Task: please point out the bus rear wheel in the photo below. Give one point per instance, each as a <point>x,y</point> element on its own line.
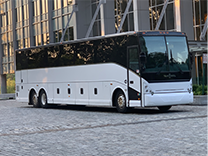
<point>43,99</point>
<point>164,108</point>
<point>120,102</point>
<point>34,100</point>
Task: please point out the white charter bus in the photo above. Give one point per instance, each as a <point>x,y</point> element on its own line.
<point>134,69</point>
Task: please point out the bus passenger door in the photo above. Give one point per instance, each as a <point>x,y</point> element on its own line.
<point>133,78</point>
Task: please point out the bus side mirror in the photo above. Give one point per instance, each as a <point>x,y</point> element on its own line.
<point>191,57</point>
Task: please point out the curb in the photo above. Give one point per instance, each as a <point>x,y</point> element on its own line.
<point>200,100</point>
<point>7,96</point>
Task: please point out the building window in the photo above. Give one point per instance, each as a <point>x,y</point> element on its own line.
<point>44,4</point>
<point>45,38</point>
<point>36,7</point>
<point>5,52</point>
<point>11,67</point>
<point>96,27</point>
<point>4,38</point>
<point>155,9</point>
<point>37,40</point>
<point>11,49</point>
<point>56,4</point>
<point>199,17</point>
<point>69,35</point>
<point>10,36</point>
<point>20,43</point>
<point>120,7</point>
<point>5,68</point>
<point>67,3</point>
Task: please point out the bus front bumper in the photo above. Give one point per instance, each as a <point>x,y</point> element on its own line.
<point>167,99</point>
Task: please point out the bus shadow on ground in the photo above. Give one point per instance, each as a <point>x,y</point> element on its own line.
<point>139,110</point>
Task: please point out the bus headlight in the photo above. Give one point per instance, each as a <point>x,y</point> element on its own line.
<point>147,89</point>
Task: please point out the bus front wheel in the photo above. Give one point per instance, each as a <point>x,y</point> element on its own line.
<point>43,99</point>
<point>120,102</point>
<point>164,108</point>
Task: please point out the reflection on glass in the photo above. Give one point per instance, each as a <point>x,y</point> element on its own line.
<point>9,18</point>
<point>203,11</point>
<point>4,38</point>
<point>97,51</point>
<point>159,58</point>
<point>154,49</point>
<point>155,9</point>
<point>133,59</point>
<point>119,8</point>
<point>178,53</point>
<point>5,52</point>
<point>43,7</point>
<point>160,2</point>
<point>96,28</point>
<point>65,3</point>
<point>197,15</point>
<point>26,13</point>
<point>57,4</point>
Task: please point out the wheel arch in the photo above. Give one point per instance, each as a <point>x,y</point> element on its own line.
<point>30,95</point>
<point>42,89</point>
<point>37,92</point>
<point>114,94</point>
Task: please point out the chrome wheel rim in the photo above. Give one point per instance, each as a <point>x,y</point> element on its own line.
<point>121,101</point>
<point>35,99</point>
<point>43,99</point>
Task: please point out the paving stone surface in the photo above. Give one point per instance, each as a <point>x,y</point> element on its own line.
<point>91,131</point>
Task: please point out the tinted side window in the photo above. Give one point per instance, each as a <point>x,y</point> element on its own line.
<point>88,52</point>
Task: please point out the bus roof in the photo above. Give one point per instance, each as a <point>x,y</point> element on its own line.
<point>140,33</point>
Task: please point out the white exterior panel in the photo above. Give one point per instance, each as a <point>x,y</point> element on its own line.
<point>104,77</point>
<point>164,94</point>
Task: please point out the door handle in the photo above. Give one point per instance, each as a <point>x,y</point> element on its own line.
<point>125,81</point>
<point>131,82</point>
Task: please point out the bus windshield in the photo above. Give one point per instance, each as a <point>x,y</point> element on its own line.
<point>164,54</point>
<point>164,58</point>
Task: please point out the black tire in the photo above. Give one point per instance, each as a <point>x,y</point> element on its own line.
<point>34,99</point>
<point>164,108</point>
<point>120,102</point>
<point>43,99</point>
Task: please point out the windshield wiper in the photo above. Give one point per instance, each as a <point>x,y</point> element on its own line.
<point>173,61</point>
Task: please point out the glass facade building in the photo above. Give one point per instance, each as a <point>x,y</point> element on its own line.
<point>199,17</point>
<point>26,23</point>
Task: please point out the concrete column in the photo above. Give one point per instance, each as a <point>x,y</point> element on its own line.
<point>2,76</point>
<point>83,19</point>
<point>74,20</point>
<point>102,21</point>
<point>143,15</point>
<point>1,51</point>
<point>177,15</point>
<point>186,14</point>
<point>3,83</point>
<point>109,17</point>
<point>31,35</point>
<point>50,22</point>
<point>14,25</point>
<point>136,18</point>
